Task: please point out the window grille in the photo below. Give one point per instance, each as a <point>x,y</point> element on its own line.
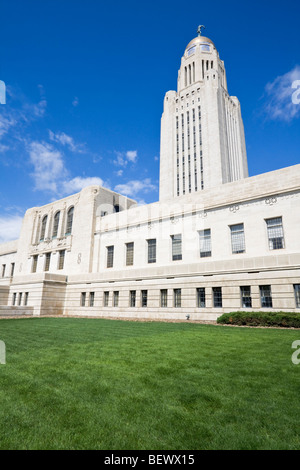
<point>237,238</point>
<point>275,233</point>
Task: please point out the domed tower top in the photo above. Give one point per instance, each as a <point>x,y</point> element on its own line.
<point>202,40</point>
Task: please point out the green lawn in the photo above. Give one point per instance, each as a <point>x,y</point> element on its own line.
<point>105,384</point>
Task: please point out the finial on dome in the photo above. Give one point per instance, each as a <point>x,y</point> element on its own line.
<point>199,29</point>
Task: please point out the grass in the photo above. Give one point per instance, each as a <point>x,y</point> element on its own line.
<point>109,384</point>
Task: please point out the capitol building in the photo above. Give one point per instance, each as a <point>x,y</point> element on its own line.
<point>216,241</point>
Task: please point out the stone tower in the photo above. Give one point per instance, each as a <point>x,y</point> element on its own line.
<point>202,132</point>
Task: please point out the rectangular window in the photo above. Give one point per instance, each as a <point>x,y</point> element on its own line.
<point>177,298</point>
<point>3,269</point>
<point>297,294</point>
<point>144,298</point>
<point>246,299</point>
<point>205,243</point>
<point>110,256</point>
<point>152,250</point>
<point>82,299</point>
<point>129,254</point>
<point>92,299</point>
<point>61,259</point>
<point>12,269</point>
<point>26,298</point>
<point>116,298</point>
<point>34,263</point>
<point>266,296</point>
<point>201,297</point>
<point>20,298</point>
<point>237,238</point>
<point>47,261</point>
<point>164,298</point>
<point>176,247</point>
<point>132,297</point>
<point>275,233</point>
<point>106,299</point>
<point>217,296</point>
<point>14,299</point>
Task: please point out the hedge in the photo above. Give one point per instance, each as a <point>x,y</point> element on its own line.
<point>279,319</point>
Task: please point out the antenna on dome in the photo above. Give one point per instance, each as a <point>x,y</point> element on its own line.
<point>199,29</point>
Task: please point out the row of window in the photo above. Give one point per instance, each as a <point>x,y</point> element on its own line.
<point>201,294</point>
<point>12,269</point>
<point>47,260</point>
<point>56,219</point>
<point>275,240</point>
<point>20,298</point>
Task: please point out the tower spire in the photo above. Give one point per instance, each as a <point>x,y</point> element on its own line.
<point>199,29</point>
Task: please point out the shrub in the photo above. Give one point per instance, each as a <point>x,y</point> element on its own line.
<point>279,319</point>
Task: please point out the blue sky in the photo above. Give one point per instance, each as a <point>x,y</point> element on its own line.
<point>86,81</point>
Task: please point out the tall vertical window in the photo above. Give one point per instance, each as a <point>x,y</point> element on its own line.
<point>14,298</point>
<point>26,299</point>
<point>47,261</point>
<point>61,259</point>
<point>275,233</point>
<point>34,263</point>
<point>3,270</point>
<point>12,269</point>
<point>205,243</point>
<point>43,229</point>
<point>110,256</point>
<point>92,299</point>
<point>82,299</point>
<point>246,299</point>
<point>152,250</point>
<point>176,247</point>
<point>116,298</point>
<point>237,238</point>
<point>266,296</point>
<point>177,298</point>
<point>129,253</point>
<point>164,298</point>
<point>20,298</point>
<point>55,225</point>
<point>69,225</point>
<point>144,298</point>
<point>297,294</point>
<point>201,301</point>
<point>105,299</point>
<point>132,298</point>
<point>217,297</point>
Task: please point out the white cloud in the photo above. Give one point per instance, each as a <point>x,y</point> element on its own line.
<point>124,157</point>
<point>131,155</point>
<point>10,228</point>
<point>48,165</point>
<point>66,140</point>
<point>134,187</point>
<point>75,102</point>
<point>280,104</point>
<point>78,183</point>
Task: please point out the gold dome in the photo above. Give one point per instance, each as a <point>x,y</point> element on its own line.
<point>199,40</point>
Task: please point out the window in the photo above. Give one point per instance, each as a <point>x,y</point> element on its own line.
<point>205,243</point>
<point>34,263</point>
<point>69,221</point>
<point>116,298</point>
<point>132,298</point>
<point>106,299</point>
<point>275,233</point>
<point>12,269</point>
<point>237,238</point>
<point>20,298</point>
<point>129,253</point>
<point>266,296</point>
<point>164,298</point>
<point>92,299</point>
<point>14,299</point>
<point>201,297</point>
<point>26,298</point>
<point>3,269</point>
<point>217,296</point>
<point>43,229</point>
<point>55,225</point>
<point>61,259</point>
<point>177,298</point>
<point>82,300</point>
<point>47,261</point>
<point>152,250</point>
<point>176,247</point>
<point>246,297</point>
<point>297,294</point>
<point>110,256</point>
<point>144,298</point>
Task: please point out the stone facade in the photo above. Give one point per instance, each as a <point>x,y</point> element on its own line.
<point>217,241</point>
